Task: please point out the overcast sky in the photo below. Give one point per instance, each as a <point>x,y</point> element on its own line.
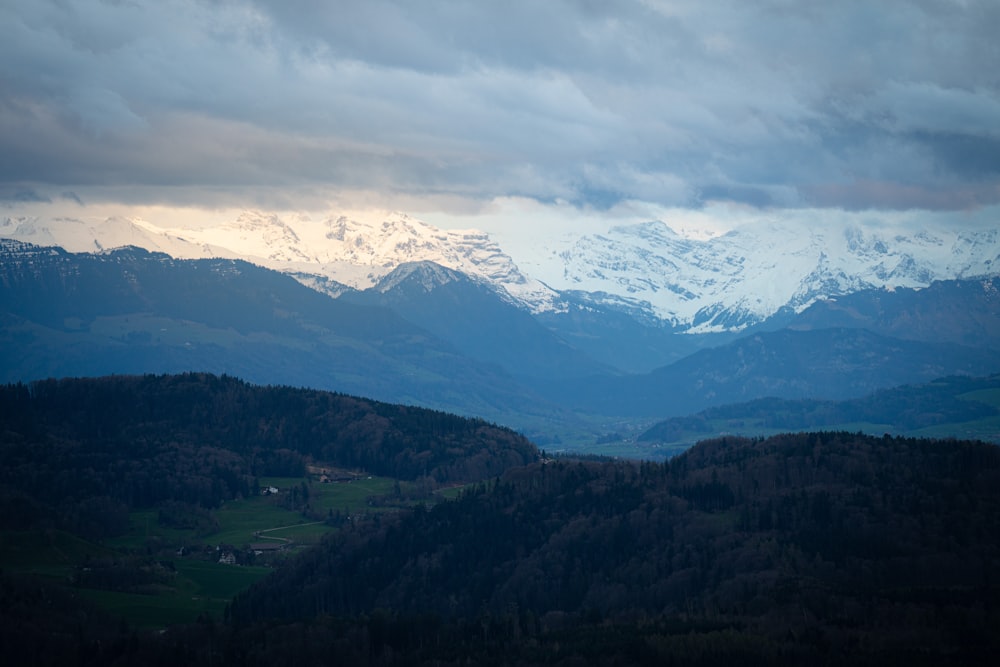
<point>445,108</point>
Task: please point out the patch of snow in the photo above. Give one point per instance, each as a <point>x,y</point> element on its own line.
<point>702,279</point>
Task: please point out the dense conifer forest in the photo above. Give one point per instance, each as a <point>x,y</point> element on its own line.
<point>823,548</point>
<point>82,452</point>
<point>827,547</point>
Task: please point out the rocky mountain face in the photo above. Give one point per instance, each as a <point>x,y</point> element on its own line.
<point>741,278</point>
<point>432,336</point>
<point>966,312</point>
<point>470,314</point>
<point>335,252</point>
<point>648,272</point>
<point>129,311</point>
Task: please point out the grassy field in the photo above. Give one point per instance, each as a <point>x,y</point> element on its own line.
<point>240,519</point>
<point>987,396</point>
<point>451,492</point>
<point>198,584</point>
<point>196,587</point>
<point>987,429</point>
<point>200,587</point>
<point>48,553</point>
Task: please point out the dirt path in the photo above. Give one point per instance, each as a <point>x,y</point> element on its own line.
<point>260,533</point>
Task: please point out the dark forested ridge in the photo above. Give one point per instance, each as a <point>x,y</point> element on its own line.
<point>129,311</point>
<point>811,548</point>
<point>430,337</point>
<point>827,548</point>
<point>93,448</point>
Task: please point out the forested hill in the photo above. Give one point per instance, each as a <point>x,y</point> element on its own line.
<point>135,441</point>
<point>951,400</point>
<point>827,548</point>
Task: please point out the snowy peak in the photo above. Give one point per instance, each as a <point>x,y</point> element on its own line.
<point>329,255</point>
<point>733,280</point>
<point>649,271</point>
<point>278,242</point>
<point>77,235</point>
<point>395,240</point>
<point>427,276</point>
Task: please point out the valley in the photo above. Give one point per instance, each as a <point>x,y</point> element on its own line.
<point>823,547</point>
<point>431,336</point>
<point>650,333</point>
<point>192,561</point>
<point>247,464</point>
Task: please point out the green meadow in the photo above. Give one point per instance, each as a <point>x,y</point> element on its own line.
<point>199,588</point>
<point>196,582</point>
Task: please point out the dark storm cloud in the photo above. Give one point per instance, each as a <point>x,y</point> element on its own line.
<point>770,103</point>
<point>21,195</point>
<point>970,155</point>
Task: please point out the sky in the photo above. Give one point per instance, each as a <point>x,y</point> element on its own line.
<point>474,114</point>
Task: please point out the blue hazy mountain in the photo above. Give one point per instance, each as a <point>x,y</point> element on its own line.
<point>132,311</point>
<point>955,311</point>
<point>434,337</point>
<point>823,363</point>
<point>474,317</point>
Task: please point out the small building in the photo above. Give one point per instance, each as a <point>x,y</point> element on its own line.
<point>267,547</point>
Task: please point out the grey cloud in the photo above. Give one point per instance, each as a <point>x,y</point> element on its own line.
<point>15,194</point>
<point>771,103</point>
<point>864,194</point>
<point>967,156</point>
<point>742,194</point>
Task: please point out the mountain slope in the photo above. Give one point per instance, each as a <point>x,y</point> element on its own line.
<point>818,549</point>
<point>739,278</point>
<point>648,271</point>
<point>235,431</point>
<point>966,312</point>
<point>478,321</point>
<point>349,251</point>
<point>967,406</point>
<point>618,334</point>
<point>130,311</point>
<point>825,363</point>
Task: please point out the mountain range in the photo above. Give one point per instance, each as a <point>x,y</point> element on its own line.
<point>132,311</point>
<point>659,277</point>
<point>958,406</point>
<point>734,280</point>
<point>433,336</point>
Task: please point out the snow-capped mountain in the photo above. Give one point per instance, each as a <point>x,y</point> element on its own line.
<point>744,276</point>
<point>649,271</point>
<point>326,255</point>
<point>76,235</point>
<point>360,253</point>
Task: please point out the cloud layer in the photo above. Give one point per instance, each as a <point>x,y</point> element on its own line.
<point>771,103</point>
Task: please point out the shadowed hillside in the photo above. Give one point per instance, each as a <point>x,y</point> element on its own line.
<point>823,548</point>
<point>83,452</point>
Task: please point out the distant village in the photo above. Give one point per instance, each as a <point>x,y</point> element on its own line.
<point>230,555</point>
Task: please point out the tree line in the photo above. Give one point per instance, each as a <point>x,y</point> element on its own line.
<point>85,451</point>
<point>831,548</point>
<point>809,548</point>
